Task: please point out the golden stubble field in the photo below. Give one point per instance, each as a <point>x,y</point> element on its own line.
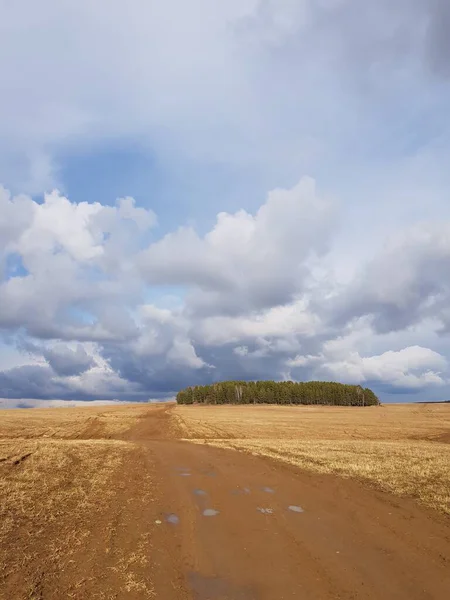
<point>81,422</point>
<point>402,449</point>
<point>61,472</point>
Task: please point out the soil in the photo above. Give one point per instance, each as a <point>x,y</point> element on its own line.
<point>339,539</point>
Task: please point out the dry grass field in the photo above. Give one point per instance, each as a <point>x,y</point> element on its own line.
<point>402,449</point>
<point>90,422</point>
<point>55,489</point>
<point>50,486</point>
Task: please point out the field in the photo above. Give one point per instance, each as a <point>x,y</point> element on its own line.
<point>90,422</point>
<point>85,493</point>
<point>59,472</point>
<point>403,449</point>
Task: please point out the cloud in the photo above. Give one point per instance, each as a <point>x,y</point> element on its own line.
<point>438,42</point>
<point>213,104</point>
<point>246,262</point>
<point>100,96</point>
<point>261,83</point>
<point>260,300</point>
<point>410,368</point>
<point>16,214</point>
<point>77,304</point>
<point>6,403</point>
<point>30,381</point>
<point>77,267</point>
<point>66,361</point>
<point>406,283</point>
<point>295,318</point>
<point>42,382</point>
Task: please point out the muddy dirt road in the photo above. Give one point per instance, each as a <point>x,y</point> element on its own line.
<point>274,533</point>
<point>221,525</point>
<point>238,527</point>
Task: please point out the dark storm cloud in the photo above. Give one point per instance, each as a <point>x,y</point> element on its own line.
<point>155,374</point>
<point>39,382</point>
<point>408,282</point>
<point>438,37</point>
<point>30,382</point>
<point>65,361</point>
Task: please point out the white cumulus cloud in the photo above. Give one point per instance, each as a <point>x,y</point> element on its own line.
<point>246,261</point>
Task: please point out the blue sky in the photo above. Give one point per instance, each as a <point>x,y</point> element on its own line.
<point>208,190</point>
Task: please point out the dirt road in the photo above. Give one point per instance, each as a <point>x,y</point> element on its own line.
<point>222,525</point>
<point>347,542</point>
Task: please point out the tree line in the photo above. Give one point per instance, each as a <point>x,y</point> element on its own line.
<point>328,393</point>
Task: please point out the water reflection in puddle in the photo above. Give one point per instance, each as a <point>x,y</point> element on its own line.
<point>200,492</point>
<point>269,490</point>
<point>183,471</point>
<point>240,491</point>
<point>265,511</point>
<point>297,509</point>
<point>172,518</point>
<point>210,512</point>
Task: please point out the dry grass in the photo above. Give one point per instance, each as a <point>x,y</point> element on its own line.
<point>70,423</point>
<point>39,480</point>
<point>397,448</point>
<point>57,488</point>
<point>390,422</point>
<point>51,490</point>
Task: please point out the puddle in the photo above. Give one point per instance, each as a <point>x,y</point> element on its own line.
<point>269,490</point>
<point>200,492</point>
<point>183,471</point>
<point>208,472</point>
<point>215,588</point>
<point>172,518</point>
<point>240,491</point>
<point>265,511</point>
<point>297,509</point>
<point>210,512</point>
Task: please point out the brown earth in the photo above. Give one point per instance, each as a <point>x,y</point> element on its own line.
<point>399,449</point>
<point>350,542</point>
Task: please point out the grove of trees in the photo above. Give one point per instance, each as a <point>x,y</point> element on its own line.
<point>283,392</point>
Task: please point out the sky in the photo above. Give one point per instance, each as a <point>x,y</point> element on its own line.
<point>223,189</point>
